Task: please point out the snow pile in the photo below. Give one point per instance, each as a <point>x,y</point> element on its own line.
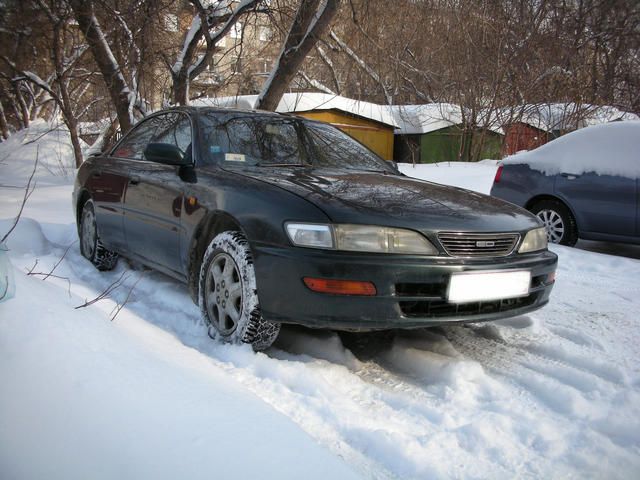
<point>477,176</point>
<point>52,144</point>
<point>555,394</point>
<point>610,149</point>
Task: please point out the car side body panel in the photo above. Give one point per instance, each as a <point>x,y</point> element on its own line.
<point>106,180</point>
<point>602,204</point>
<point>605,207</point>
<point>152,209</point>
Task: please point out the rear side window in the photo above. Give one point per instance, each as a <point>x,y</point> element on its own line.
<point>174,128</point>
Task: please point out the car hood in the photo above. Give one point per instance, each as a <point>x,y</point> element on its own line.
<point>396,200</point>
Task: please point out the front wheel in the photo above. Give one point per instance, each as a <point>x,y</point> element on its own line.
<point>90,245</point>
<point>228,296</point>
<point>558,222</point>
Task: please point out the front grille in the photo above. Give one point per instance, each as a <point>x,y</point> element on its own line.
<point>458,244</point>
<point>428,300</point>
<point>443,309</point>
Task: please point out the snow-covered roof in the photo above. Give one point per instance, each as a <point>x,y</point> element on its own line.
<point>607,149</point>
<point>418,119</point>
<point>308,101</point>
<point>565,116</point>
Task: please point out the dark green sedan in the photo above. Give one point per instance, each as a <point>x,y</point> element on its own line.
<point>274,219</point>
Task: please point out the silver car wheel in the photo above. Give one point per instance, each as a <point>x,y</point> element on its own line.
<point>553,224</point>
<point>224,293</point>
<point>88,233</point>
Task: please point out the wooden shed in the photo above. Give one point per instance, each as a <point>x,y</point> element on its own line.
<point>375,135</point>
<point>435,133</point>
<point>522,136</point>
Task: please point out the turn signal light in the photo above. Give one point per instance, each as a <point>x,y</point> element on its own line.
<point>340,287</point>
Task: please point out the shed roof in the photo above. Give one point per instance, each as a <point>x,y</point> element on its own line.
<point>308,101</point>
<point>419,119</point>
<point>565,116</point>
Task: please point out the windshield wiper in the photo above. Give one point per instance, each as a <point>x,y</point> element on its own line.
<point>369,170</point>
<point>267,164</point>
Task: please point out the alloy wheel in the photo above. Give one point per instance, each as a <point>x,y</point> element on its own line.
<point>224,293</point>
<point>553,224</point>
<point>88,232</point>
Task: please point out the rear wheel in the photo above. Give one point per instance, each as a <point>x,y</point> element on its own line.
<point>228,296</point>
<point>558,222</point>
<point>90,245</point>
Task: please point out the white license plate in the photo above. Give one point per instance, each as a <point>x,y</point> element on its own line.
<point>487,286</point>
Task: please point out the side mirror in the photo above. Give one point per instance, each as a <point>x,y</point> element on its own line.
<point>393,164</point>
<point>166,153</point>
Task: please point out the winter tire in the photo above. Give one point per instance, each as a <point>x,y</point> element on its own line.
<point>558,222</point>
<point>228,295</point>
<point>90,245</point>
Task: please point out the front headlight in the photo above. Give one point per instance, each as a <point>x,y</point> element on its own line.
<point>534,240</point>
<point>360,238</point>
<point>369,238</point>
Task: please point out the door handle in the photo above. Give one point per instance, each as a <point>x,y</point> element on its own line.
<point>97,174</point>
<point>134,180</point>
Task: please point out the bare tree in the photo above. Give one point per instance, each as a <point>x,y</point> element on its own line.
<point>119,91</point>
<point>312,19</point>
<point>211,24</point>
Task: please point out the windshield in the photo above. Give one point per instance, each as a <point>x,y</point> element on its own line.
<point>266,140</point>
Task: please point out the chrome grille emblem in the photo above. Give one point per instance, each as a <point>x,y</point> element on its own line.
<point>483,243</point>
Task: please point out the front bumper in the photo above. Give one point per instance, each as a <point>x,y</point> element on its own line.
<point>411,290</point>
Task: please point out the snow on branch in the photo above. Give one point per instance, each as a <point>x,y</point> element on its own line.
<point>194,30</point>
<point>216,36</point>
<point>316,84</point>
<point>32,77</point>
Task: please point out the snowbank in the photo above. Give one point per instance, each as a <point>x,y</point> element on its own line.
<point>610,149</point>
<point>49,141</point>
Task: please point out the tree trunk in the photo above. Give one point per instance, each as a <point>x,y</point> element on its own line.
<point>65,102</point>
<point>186,69</point>
<point>109,68</point>
<point>307,27</point>
<point>4,127</point>
<point>181,88</point>
<point>24,111</point>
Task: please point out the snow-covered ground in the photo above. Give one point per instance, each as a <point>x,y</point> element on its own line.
<point>554,394</point>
